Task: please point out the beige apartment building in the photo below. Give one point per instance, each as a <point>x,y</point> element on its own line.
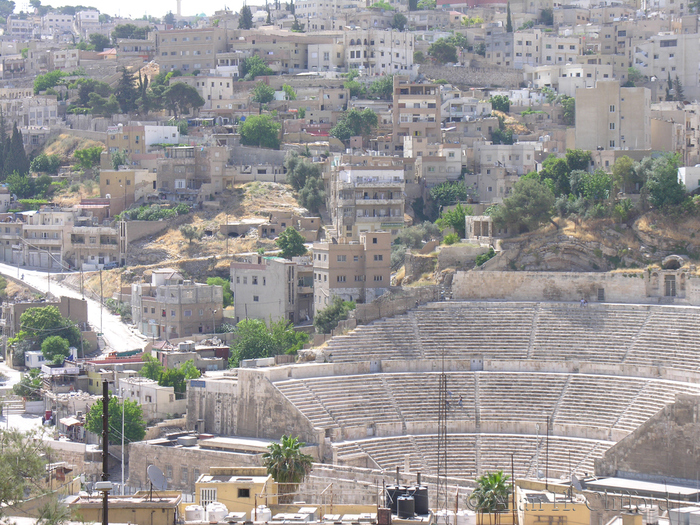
<point>172,307</point>
<point>612,117</point>
<point>416,111</point>
<point>366,198</point>
<point>188,50</point>
<point>272,288</point>
<point>355,271</point>
<point>125,187</point>
<point>379,51</point>
<point>135,140</point>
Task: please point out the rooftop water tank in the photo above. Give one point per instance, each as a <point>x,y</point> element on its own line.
<point>264,514</point>
<point>194,513</point>
<point>216,512</point>
<point>406,507</point>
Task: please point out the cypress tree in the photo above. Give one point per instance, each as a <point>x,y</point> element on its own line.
<point>15,157</point>
<point>3,144</point>
<point>509,21</point>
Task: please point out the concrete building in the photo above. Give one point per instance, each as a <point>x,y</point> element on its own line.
<point>416,111</point>
<point>87,22</point>
<point>210,354</point>
<point>366,198</point>
<point>157,402</point>
<point>188,50</point>
<point>272,288</point>
<point>612,117</point>
<point>355,271</point>
<point>379,51</point>
<point>124,187</point>
<point>171,307</point>
<point>236,487</point>
<point>191,173</point>
<point>136,139</point>
<point>136,508</point>
<point>674,55</point>
<point>690,177</point>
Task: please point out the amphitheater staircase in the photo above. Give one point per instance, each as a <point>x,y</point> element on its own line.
<point>369,455</point>
<point>560,400</point>
<point>392,399</point>
<point>416,333</point>
<point>477,454</point>
<point>585,459</point>
<point>629,406</point>
<point>308,403</point>
<point>477,404</point>
<point>419,453</point>
<point>642,330</point>
<point>533,330</point>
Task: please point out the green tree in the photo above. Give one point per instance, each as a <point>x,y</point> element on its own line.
<point>134,423</point>
<point>22,464</point>
<point>30,385</point>
<point>262,93</point>
<point>180,98</point>
<point>384,87</point>
<point>578,159</point>
<point>289,92</point>
<point>299,170</point>
<point>297,27</point>
<point>491,493</point>
<point>327,319</point>
<point>99,41</point>
<point>38,323</point>
<point>596,186</point>
<point>663,185</point>
<point>547,16</point>
<point>253,339</point>
<point>286,463</point>
<point>178,376</point>
<point>443,52</point>
<point>119,158</point>
<point>679,95</point>
<point>509,20</point>
<point>448,193</point>
<point>253,67</point>
<point>426,5</point>
<point>129,31</point>
<point>55,349</point>
<point>48,80</point>
<point>413,5</point>
<point>15,157</point>
<point>624,176</point>
<point>125,92</point>
<point>557,171</point>
<point>291,243</point>
<point>354,123</point>
<point>190,233</point>
<point>634,76</point>
<point>419,57</point>
<point>355,88</point>
<point>225,285</point>
<point>88,158</point>
<point>312,195</point>
<point>152,368</point>
<point>455,219</point>
<point>45,163</point>
<point>103,106</point>
<point>399,21</point>
<point>261,131</point>
<point>500,103</point>
<point>7,7</point>
<point>569,104</point>
<point>169,19</point>
<point>245,20</point>
<point>529,205</point>
<point>21,185</point>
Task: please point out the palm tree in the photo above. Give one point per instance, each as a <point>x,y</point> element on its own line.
<point>491,494</point>
<point>286,463</point>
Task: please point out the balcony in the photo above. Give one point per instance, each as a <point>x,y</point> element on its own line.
<point>382,219</point>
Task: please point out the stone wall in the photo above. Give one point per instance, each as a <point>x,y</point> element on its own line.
<point>136,230</point>
<point>474,76</point>
<point>619,287</point>
<point>665,446</point>
<point>396,302</point>
<point>462,256</point>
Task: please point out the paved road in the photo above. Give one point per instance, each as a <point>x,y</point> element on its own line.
<point>117,335</point>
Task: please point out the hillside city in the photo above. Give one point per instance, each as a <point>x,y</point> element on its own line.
<point>415,261</point>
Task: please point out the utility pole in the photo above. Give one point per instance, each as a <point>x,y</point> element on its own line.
<point>105,448</point>
<point>123,485</point>
<point>101,301</point>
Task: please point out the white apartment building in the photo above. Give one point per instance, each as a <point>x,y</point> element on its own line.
<point>566,79</point>
<point>379,52</point>
<point>56,23</point>
<point>671,54</point>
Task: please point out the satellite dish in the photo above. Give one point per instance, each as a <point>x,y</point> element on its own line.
<point>156,477</point>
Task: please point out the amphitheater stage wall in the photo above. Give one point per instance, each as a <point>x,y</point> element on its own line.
<point>618,287</point>
<point>665,446</point>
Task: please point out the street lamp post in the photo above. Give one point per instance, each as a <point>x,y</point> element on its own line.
<point>213,319</point>
<point>123,407</point>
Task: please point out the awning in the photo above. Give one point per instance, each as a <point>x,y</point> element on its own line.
<point>70,421</point>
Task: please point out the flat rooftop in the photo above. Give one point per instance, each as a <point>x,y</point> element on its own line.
<point>642,488</point>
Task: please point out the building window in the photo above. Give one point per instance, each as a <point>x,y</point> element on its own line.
<point>612,143</point>
<point>256,298</point>
<point>612,109</point>
<point>169,472</point>
<point>243,493</point>
<point>207,496</point>
<point>341,278</point>
<point>342,258</point>
<point>378,277</point>
<point>612,125</point>
<point>188,313</point>
<point>378,257</point>
<point>355,258</point>
<point>255,279</point>
<point>374,240</point>
<point>172,313</point>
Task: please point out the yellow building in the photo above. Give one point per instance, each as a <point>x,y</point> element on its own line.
<point>540,507</point>
<point>239,488</point>
<point>161,509</point>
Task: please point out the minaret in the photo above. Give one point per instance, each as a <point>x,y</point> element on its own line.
<point>179,5</point>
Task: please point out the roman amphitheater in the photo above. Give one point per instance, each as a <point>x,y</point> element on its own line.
<point>554,384</point>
